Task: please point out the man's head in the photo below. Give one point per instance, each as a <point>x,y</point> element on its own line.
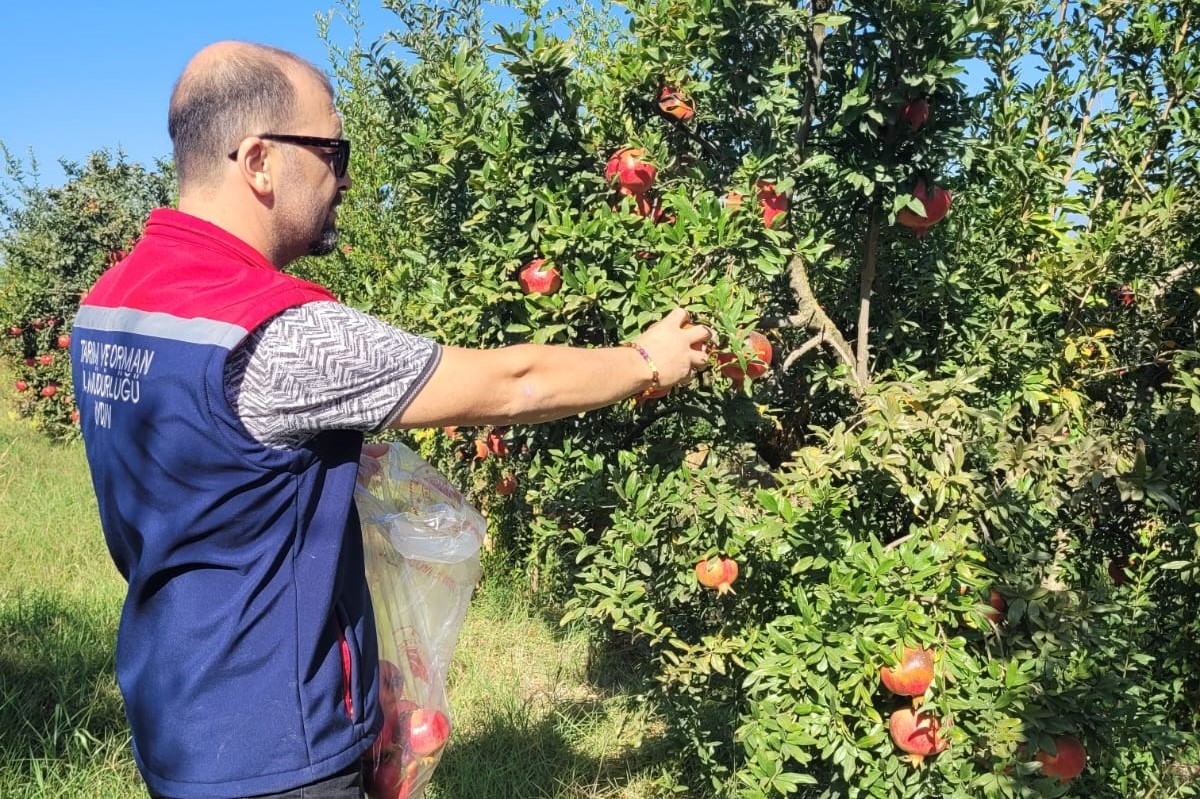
<point>243,119</point>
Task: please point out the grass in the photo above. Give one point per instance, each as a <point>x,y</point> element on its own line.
<point>528,721</point>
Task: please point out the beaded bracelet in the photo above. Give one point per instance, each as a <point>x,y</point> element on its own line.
<point>649,362</point>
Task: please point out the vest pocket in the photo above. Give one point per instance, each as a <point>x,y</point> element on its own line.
<point>347,653</point>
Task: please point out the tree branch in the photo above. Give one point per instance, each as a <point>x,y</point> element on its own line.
<point>811,316</point>
<point>866,283</point>
<point>814,47</point>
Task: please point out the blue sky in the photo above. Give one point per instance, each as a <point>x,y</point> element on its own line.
<point>81,76</point>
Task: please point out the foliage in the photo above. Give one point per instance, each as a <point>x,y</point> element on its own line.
<point>54,243</point>
<point>1005,401</point>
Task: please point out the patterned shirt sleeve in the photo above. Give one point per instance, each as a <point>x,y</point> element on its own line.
<point>324,366</point>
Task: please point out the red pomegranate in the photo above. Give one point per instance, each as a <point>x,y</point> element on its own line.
<point>629,170</point>
<point>917,734</point>
<point>998,605</point>
<point>758,353</point>
<point>915,113</point>
<point>506,485</point>
<point>936,204</point>
<point>1067,762</point>
<point>674,103</point>
<point>912,676</point>
<point>772,203</point>
<point>537,278</point>
<point>718,573</point>
<point>496,444</point>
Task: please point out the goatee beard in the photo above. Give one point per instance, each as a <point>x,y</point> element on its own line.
<point>326,242</point>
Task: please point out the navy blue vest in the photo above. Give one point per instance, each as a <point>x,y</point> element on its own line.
<point>247,652</point>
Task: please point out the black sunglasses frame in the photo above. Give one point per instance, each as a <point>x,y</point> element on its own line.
<point>340,148</point>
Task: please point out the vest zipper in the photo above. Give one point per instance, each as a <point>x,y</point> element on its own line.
<point>347,695</point>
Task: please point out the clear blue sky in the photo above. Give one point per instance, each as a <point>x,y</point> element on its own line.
<point>80,76</point>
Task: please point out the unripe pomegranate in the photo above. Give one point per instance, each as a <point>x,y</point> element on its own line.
<point>757,359</point>
<point>912,676</point>
<point>1067,762</point>
<point>772,203</point>
<point>916,732</point>
<point>630,172</point>
<point>718,573</point>
<point>915,113</point>
<point>935,203</point>
<point>537,278</point>
<point>675,103</point>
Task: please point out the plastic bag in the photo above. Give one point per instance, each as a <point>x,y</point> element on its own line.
<point>421,541</point>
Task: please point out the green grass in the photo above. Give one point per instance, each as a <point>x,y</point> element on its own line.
<point>528,721</point>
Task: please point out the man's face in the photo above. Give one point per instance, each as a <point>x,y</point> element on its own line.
<point>307,206</point>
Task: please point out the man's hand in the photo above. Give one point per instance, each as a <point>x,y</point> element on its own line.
<point>678,348</point>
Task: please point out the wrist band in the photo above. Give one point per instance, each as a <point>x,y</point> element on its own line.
<point>649,362</point>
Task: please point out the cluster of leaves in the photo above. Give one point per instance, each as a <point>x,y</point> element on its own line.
<point>54,243</point>
<point>1007,403</point>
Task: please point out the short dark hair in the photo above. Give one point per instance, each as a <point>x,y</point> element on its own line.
<point>214,105</point>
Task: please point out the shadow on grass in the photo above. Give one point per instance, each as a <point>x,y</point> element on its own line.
<point>57,686</point>
<point>511,757</point>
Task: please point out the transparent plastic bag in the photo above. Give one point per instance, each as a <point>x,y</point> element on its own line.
<point>421,540</point>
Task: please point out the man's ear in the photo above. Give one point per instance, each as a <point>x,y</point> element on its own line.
<point>254,163</point>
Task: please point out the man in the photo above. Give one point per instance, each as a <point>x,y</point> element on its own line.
<point>224,404</point>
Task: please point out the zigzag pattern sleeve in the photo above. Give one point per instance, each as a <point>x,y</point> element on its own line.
<point>324,366</point>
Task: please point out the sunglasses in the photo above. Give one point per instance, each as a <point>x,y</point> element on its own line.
<point>340,148</point>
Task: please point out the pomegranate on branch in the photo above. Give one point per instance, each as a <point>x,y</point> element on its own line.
<point>630,172</point>
<point>912,677</point>
<point>936,204</point>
